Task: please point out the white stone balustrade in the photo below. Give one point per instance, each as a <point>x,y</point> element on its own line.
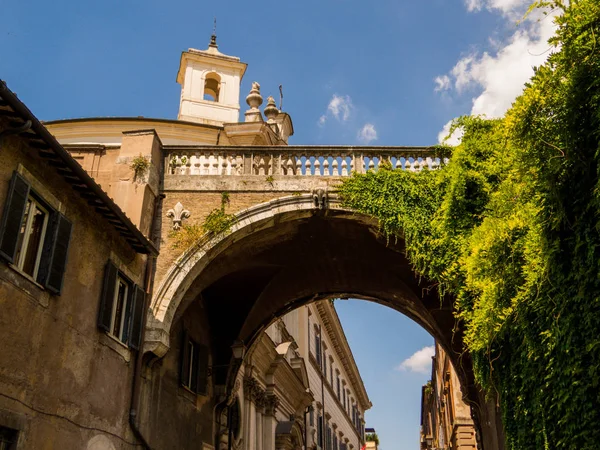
<point>295,160</point>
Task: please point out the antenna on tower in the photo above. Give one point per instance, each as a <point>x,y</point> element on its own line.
<point>213,38</point>
<point>280,97</point>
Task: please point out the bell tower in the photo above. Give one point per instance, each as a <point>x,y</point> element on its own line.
<point>210,85</point>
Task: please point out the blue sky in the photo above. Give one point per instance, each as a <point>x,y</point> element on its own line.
<point>393,354</point>
<point>384,72</point>
<point>379,59</point>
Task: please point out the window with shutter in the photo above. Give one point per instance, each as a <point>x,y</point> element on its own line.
<point>194,365</point>
<point>33,236</point>
<point>121,312</point>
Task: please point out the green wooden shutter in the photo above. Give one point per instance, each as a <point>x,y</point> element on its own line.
<point>202,377</point>
<point>14,209</point>
<point>194,375</point>
<point>138,320</point>
<point>108,296</point>
<point>126,333</point>
<point>184,367</point>
<point>58,258</point>
<point>48,247</point>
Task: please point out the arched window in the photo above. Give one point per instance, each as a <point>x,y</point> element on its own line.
<point>212,87</point>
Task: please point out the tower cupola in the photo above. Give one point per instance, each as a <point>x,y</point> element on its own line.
<point>210,85</point>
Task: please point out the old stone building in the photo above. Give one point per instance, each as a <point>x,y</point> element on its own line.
<point>73,284</point>
<point>225,228</point>
<point>445,418</point>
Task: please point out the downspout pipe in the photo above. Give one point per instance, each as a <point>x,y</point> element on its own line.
<point>137,372</point>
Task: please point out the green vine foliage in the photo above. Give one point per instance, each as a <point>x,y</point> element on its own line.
<point>511,227</point>
<point>216,222</point>
<point>140,166</point>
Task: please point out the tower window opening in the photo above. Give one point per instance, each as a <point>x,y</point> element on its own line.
<point>212,87</point>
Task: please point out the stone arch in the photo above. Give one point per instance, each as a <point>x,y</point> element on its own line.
<point>290,251</point>
<point>178,279</point>
<point>176,290</point>
<point>212,87</point>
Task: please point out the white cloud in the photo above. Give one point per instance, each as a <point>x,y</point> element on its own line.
<point>367,133</point>
<point>340,107</point>
<point>442,83</point>
<point>454,139</point>
<point>500,77</point>
<point>322,120</point>
<point>419,362</point>
<point>504,6</point>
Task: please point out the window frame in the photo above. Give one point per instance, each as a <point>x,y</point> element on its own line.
<point>194,365</point>
<point>126,316</point>
<point>8,438</point>
<point>133,309</point>
<point>22,247</point>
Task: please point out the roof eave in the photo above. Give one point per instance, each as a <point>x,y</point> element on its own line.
<point>112,213</point>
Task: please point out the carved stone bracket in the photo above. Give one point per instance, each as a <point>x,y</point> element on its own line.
<point>178,214</point>
<point>320,198</point>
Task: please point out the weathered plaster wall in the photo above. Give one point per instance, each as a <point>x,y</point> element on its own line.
<point>171,415</point>
<point>65,381</point>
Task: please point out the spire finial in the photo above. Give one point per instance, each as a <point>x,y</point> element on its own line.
<point>213,38</point>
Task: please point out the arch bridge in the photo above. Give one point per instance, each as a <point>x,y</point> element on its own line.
<point>291,243</point>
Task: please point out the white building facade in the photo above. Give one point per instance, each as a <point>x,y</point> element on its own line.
<point>301,386</point>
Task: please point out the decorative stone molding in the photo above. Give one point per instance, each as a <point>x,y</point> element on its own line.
<point>254,100</point>
<point>271,403</point>
<point>271,110</point>
<point>178,214</point>
<point>255,393</point>
<point>320,198</point>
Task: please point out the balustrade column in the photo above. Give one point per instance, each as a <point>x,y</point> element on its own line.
<point>357,160</point>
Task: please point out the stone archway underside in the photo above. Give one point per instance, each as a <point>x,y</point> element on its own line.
<point>273,264</point>
<point>286,253</point>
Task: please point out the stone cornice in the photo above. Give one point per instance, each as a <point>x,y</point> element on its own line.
<point>336,333</point>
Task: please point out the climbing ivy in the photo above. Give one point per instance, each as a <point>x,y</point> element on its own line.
<point>511,227</point>
<point>216,222</point>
